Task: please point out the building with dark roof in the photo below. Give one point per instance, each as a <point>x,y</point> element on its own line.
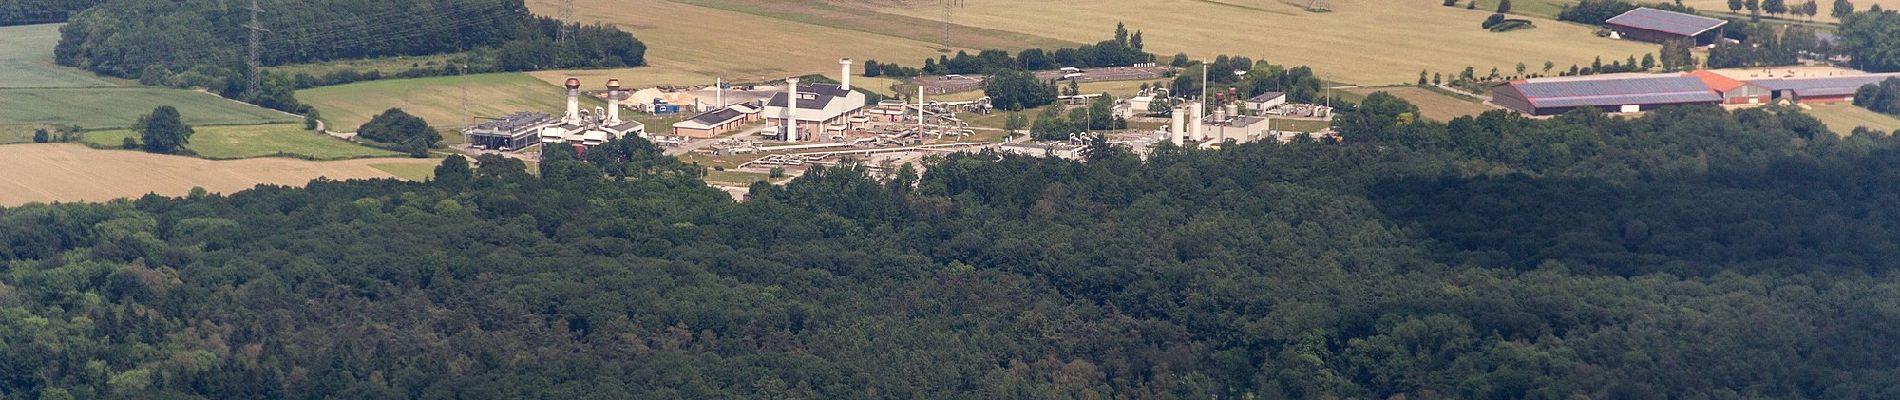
<point>716,122</point>
<point>1831,89</point>
<point>511,132</point>
<point>1623,93</point>
<point>1653,25</point>
<point>820,109</point>
<point>1266,101</point>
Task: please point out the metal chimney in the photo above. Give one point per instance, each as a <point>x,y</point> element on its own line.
<point>791,110</point>
<point>613,102</point>
<point>844,73</point>
<point>573,101</point>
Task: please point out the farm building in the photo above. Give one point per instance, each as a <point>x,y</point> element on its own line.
<point>1623,93</point>
<point>1266,101</point>
<point>819,110</point>
<point>1832,89</point>
<point>713,123</point>
<point>1733,92</point>
<point>1653,25</point>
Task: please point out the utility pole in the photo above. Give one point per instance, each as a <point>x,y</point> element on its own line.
<point>567,16</point>
<point>255,61</point>
<point>948,5</point>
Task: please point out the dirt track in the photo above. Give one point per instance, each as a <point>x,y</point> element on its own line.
<point>70,172</point>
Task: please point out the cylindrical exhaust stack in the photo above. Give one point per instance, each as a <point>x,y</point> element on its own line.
<point>613,102</point>
<point>1179,126</point>
<point>719,87</point>
<point>573,101</point>
<point>844,73</point>
<point>1197,121</point>
<point>1233,109</point>
<point>791,110</point>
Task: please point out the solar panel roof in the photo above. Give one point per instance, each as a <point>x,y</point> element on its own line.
<point>1666,21</point>
<point>1614,92</point>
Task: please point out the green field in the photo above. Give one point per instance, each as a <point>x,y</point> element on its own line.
<point>1843,118</point>
<point>105,108</point>
<point>252,141</point>
<point>26,60</point>
<point>437,100</point>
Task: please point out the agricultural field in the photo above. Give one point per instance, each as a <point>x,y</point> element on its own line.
<point>107,108</point>
<point>36,93</point>
<point>1434,105</point>
<point>691,44</point>
<point>409,171</point>
<point>26,60</point>
<point>252,141</point>
<point>437,100</point>
<point>1368,42</point>
<point>50,172</point>
<point>1843,118</point>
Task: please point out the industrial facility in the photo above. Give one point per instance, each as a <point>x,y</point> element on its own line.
<point>717,122</point>
<point>817,111</point>
<point>576,127</point>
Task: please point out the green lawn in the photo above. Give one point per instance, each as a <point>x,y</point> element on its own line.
<point>251,141</point>
<point>1843,118</point>
<point>736,177</point>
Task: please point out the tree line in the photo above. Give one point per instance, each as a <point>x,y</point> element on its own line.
<point>1881,97</point>
<point>28,12</point>
<point>201,43</point>
<point>1125,49</point>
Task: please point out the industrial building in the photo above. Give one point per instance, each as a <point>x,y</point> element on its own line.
<point>1831,89</point>
<point>717,122</point>
<point>1617,93</point>
<point>1653,25</point>
<point>817,111</point>
<point>579,127</point>
<point>1266,102</point>
<point>1733,92</point>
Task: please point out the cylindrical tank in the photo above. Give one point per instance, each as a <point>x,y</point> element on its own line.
<point>1233,109</point>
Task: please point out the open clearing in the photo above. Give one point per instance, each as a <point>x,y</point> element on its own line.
<point>704,42</point>
<point>437,100</point>
<point>1434,105</point>
<point>1362,41</point>
<point>26,60</point>
<point>252,141</point>
<point>1843,118</point>
<point>72,172</point>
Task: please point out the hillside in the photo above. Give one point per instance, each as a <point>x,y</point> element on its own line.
<point>1579,257</point>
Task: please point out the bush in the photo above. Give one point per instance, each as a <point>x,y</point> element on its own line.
<point>129,144</point>
<point>41,136</point>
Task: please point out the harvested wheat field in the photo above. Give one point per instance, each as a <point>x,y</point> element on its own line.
<point>71,172</point>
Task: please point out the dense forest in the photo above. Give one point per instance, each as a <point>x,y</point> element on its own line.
<point>27,12</point>
<point>202,43</point>
<point>1687,253</point>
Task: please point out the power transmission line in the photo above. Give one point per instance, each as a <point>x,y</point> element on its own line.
<point>256,47</point>
<point>567,15</point>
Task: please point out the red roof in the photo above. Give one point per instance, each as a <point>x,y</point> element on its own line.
<point>1716,81</point>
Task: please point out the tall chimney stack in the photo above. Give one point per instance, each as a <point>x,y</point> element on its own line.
<point>719,90</point>
<point>791,110</point>
<point>844,71</point>
<point>613,102</point>
<point>573,101</point>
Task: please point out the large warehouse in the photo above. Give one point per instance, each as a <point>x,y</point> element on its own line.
<point>1832,89</point>
<point>1653,25</point>
<point>1622,93</point>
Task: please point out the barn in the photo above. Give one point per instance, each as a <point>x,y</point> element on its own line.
<point>1733,92</point>
<point>716,122</point>
<point>1653,25</point>
<point>1831,89</point>
<point>1623,93</point>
